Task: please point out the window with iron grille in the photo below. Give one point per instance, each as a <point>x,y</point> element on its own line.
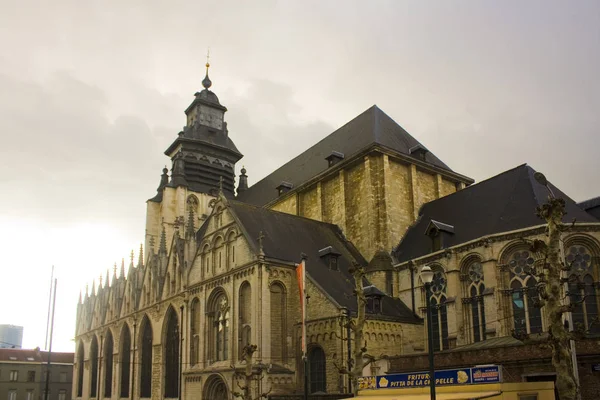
<point>317,372</point>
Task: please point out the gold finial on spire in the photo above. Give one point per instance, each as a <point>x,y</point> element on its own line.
<point>206,82</point>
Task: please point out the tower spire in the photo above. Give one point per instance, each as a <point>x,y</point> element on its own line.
<point>141,256</point>
<point>107,276</point>
<point>206,81</point>
<point>162,248</point>
<point>122,272</point>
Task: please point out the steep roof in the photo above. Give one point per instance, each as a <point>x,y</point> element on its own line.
<point>286,236</point>
<point>591,206</point>
<point>372,127</point>
<point>503,203</point>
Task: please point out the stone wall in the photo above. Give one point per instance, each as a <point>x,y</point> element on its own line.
<point>374,198</point>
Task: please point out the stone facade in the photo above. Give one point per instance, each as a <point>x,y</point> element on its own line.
<point>203,287</point>
<point>373,197</point>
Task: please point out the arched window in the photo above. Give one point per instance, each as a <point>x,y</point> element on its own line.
<point>205,260</point>
<point>278,326</point>
<point>527,316</point>
<point>172,354</point>
<point>231,250</point>
<point>146,359</point>
<point>245,310</point>
<point>317,373</point>
<point>219,259</point>
<point>215,389</point>
<point>583,275</point>
<point>108,364</point>
<point>218,326</point>
<point>94,367</point>
<point>474,287</point>
<point>80,357</point>
<point>195,331</point>
<point>439,313</point>
<point>125,355</point>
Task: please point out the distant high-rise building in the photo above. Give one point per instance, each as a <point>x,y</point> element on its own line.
<point>11,336</point>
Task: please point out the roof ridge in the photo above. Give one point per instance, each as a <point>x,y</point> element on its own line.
<point>241,203</point>
<point>473,185</point>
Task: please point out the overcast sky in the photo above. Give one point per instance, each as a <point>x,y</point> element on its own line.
<point>93,92</point>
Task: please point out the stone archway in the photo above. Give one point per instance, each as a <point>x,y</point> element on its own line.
<point>215,389</point>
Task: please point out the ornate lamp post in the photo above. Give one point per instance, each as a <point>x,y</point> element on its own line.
<point>427,278</point>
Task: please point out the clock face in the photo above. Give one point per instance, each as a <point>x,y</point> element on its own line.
<point>211,117</point>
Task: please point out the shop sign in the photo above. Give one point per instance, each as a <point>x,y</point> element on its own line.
<point>464,376</point>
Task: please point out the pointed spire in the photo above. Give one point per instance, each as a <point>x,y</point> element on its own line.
<point>87,291</point>
<point>162,248</point>
<point>178,171</point>
<point>114,272</point>
<point>206,82</point>
<point>106,283</point>
<point>122,272</point>
<point>94,287</point>
<point>141,256</point>
<point>80,302</point>
<point>261,250</point>
<point>243,185</point>
<point>191,227</point>
<point>164,181</point>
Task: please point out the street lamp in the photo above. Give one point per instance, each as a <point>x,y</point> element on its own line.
<point>427,278</point>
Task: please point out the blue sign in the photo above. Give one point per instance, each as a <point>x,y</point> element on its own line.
<point>465,376</point>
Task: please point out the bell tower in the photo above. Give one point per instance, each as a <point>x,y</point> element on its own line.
<point>203,161</point>
<point>203,154</point>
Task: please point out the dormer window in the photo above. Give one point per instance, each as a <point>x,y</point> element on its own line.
<point>374,305</point>
<point>284,187</point>
<point>419,151</point>
<point>374,298</point>
<point>334,158</point>
<point>439,233</point>
<point>330,256</point>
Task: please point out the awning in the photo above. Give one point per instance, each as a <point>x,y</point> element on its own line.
<point>439,396</point>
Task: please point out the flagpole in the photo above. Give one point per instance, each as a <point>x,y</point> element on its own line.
<point>301,277</point>
<point>304,312</point>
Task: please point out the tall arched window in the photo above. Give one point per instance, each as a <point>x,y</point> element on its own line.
<point>527,316</point>
<point>108,364</point>
<point>219,257</point>
<point>195,331</point>
<point>439,313</point>
<point>205,260</point>
<point>218,326</point>
<point>146,359</point>
<point>278,328</point>
<point>317,373</point>
<point>94,367</point>
<point>172,354</point>
<point>125,355</point>
<point>474,287</point>
<point>583,274</point>
<point>231,250</point>
<point>80,357</point>
<point>245,310</point>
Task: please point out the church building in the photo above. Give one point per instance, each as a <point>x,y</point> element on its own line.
<point>217,270</point>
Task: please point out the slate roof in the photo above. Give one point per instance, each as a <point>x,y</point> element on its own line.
<point>372,127</point>
<point>591,206</point>
<point>503,203</point>
<point>287,236</point>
